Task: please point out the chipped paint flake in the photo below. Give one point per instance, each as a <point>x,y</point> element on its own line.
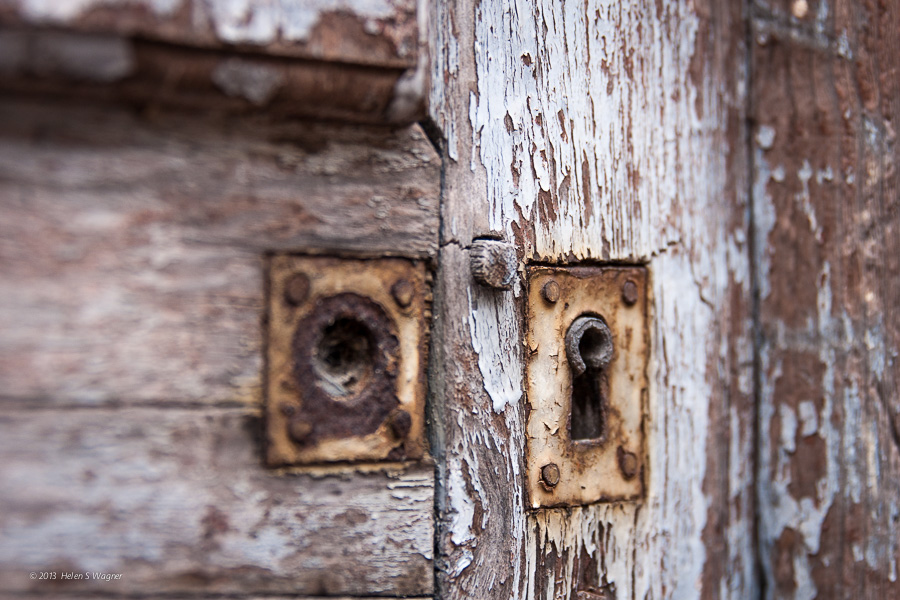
<point>589,140</point>
<point>68,10</point>
<point>250,21</point>
<point>493,319</point>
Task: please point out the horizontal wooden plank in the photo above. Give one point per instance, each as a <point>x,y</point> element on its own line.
<point>56,595</point>
<point>176,501</point>
<point>383,33</point>
<point>144,73</point>
<point>132,247</point>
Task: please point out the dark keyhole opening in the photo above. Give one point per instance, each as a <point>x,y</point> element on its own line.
<point>588,420</point>
<point>344,357</point>
<point>589,348</point>
<point>594,348</point>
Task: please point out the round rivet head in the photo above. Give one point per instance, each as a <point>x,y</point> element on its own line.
<point>402,292</point>
<point>493,263</point>
<point>630,293</point>
<point>400,424</point>
<point>628,463</point>
<point>550,475</point>
<point>299,431</point>
<point>550,292</point>
<point>296,289</point>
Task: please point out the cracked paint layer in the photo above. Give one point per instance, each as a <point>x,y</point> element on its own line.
<point>603,130</point>
<point>372,32</point>
<point>824,206</point>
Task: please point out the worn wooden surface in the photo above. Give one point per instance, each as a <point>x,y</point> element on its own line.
<point>149,74</point>
<point>131,248</point>
<point>382,33</point>
<point>68,596</point>
<point>177,500</point>
<point>353,60</point>
<point>599,130</point>
<point>132,259</point>
<point>826,107</point>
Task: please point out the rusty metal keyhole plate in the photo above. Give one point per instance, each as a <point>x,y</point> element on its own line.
<point>587,353</point>
<point>345,360</point>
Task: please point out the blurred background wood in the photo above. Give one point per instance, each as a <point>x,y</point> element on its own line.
<point>151,157</point>
<point>826,104</point>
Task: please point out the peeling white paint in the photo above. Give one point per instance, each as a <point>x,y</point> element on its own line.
<point>463,510</point>
<point>853,459</point>
<point>253,81</point>
<point>493,326</point>
<point>250,21</point>
<point>584,124</point>
<point>234,21</point>
<point>764,220</point>
<point>809,419</point>
<point>142,503</point>
<point>67,10</point>
<point>778,507</point>
<point>765,137</point>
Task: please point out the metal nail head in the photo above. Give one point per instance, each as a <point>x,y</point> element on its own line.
<point>296,289</point>
<point>493,263</point>
<point>630,293</point>
<point>550,475</point>
<point>402,291</point>
<point>550,292</point>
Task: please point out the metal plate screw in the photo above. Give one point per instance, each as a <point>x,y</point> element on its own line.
<point>550,475</point>
<point>400,423</point>
<point>630,293</point>
<point>402,292</point>
<point>299,430</point>
<point>550,292</point>
<point>493,263</point>
<point>627,463</point>
<point>296,290</point>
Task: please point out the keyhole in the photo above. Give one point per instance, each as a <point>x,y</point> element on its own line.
<point>589,348</point>
<point>344,357</point>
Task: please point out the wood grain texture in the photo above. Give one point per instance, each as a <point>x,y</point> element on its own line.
<point>826,103</point>
<point>351,60</point>
<point>582,131</point>
<point>131,248</point>
<point>68,596</point>
<point>177,502</point>
<point>382,33</point>
<point>55,595</point>
<point>150,74</point>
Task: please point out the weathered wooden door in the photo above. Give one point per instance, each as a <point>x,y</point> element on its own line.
<point>188,188</point>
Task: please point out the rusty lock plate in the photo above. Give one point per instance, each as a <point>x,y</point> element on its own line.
<point>587,353</point>
<point>345,360</point>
